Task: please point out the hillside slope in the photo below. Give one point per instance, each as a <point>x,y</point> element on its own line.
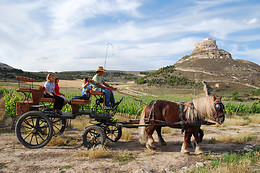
<point>210,64</point>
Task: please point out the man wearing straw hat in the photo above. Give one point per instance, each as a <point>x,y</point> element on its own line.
<point>100,85</point>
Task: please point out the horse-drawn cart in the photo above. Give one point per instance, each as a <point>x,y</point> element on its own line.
<point>38,123</point>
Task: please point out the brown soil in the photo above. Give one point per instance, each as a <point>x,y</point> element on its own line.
<point>16,158</point>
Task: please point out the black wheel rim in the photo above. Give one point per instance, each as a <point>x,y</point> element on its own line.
<point>93,138</point>
<point>34,130</point>
<point>58,126</point>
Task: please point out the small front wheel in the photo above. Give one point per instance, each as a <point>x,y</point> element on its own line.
<point>34,129</point>
<point>113,132</point>
<point>94,136</point>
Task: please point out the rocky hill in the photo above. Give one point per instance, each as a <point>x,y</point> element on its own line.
<point>208,63</point>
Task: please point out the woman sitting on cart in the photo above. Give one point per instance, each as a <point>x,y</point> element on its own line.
<point>86,86</point>
<point>50,93</point>
<point>100,85</point>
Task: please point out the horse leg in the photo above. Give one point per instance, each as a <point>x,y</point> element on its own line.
<point>197,135</point>
<point>201,134</point>
<point>150,141</point>
<point>187,136</point>
<point>161,140</point>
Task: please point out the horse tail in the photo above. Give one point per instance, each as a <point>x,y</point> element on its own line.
<point>143,136</point>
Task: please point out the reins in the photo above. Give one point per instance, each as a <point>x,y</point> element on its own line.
<point>137,98</point>
<point>182,103</point>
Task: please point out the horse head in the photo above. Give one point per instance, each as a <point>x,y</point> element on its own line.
<point>218,110</point>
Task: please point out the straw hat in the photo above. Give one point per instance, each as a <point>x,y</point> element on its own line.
<point>100,68</point>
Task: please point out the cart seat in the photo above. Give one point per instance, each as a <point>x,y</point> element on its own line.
<point>79,102</point>
<point>49,100</point>
<point>26,90</point>
<point>92,92</point>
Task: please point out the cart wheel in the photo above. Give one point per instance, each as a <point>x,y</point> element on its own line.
<point>113,132</point>
<point>59,125</point>
<point>34,129</point>
<point>94,136</point>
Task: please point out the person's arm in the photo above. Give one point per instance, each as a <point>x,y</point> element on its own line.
<point>56,90</point>
<point>102,86</point>
<point>85,85</point>
<point>109,86</point>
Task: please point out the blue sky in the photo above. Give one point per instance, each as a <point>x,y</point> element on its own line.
<point>129,35</point>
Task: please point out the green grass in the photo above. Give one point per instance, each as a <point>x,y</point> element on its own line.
<point>231,162</point>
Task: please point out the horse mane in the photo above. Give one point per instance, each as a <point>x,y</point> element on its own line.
<point>202,105</point>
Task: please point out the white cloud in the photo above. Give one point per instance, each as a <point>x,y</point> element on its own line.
<point>73,35</point>
<point>253,21</point>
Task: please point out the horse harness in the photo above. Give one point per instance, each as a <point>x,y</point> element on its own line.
<point>183,121</point>
<point>182,113</point>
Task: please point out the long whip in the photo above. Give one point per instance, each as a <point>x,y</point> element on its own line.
<point>108,44</point>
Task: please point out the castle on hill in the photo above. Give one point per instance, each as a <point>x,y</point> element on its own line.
<point>206,49</point>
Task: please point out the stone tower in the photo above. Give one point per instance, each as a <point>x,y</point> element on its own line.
<point>206,44</point>
<point>206,49</point>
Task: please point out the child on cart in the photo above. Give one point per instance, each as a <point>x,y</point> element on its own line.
<point>86,86</point>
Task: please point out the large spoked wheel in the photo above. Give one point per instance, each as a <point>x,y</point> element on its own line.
<point>59,125</point>
<point>34,129</point>
<point>113,132</point>
<point>93,137</point>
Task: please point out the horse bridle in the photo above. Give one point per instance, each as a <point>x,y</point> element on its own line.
<point>218,105</point>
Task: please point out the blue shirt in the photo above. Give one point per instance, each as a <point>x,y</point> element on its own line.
<point>50,86</point>
<point>84,89</point>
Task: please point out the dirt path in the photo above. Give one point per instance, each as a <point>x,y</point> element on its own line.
<point>16,158</point>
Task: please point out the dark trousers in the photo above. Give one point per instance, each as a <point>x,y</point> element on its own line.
<point>58,104</point>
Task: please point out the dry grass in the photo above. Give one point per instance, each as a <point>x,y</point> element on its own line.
<point>81,122</point>
<point>241,138</point>
<point>236,121</point>
<point>127,135</point>
<point>255,119</point>
<point>149,152</point>
<point>124,156</point>
<point>63,141</point>
<point>65,83</point>
<point>168,130</point>
<point>94,153</point>
<point>102,152</point>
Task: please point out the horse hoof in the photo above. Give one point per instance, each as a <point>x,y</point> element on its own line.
<point>150,147</point>
<point>198,152</point>
<point>185,151</point>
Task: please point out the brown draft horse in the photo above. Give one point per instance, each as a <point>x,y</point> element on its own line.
<point>197,111</point>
